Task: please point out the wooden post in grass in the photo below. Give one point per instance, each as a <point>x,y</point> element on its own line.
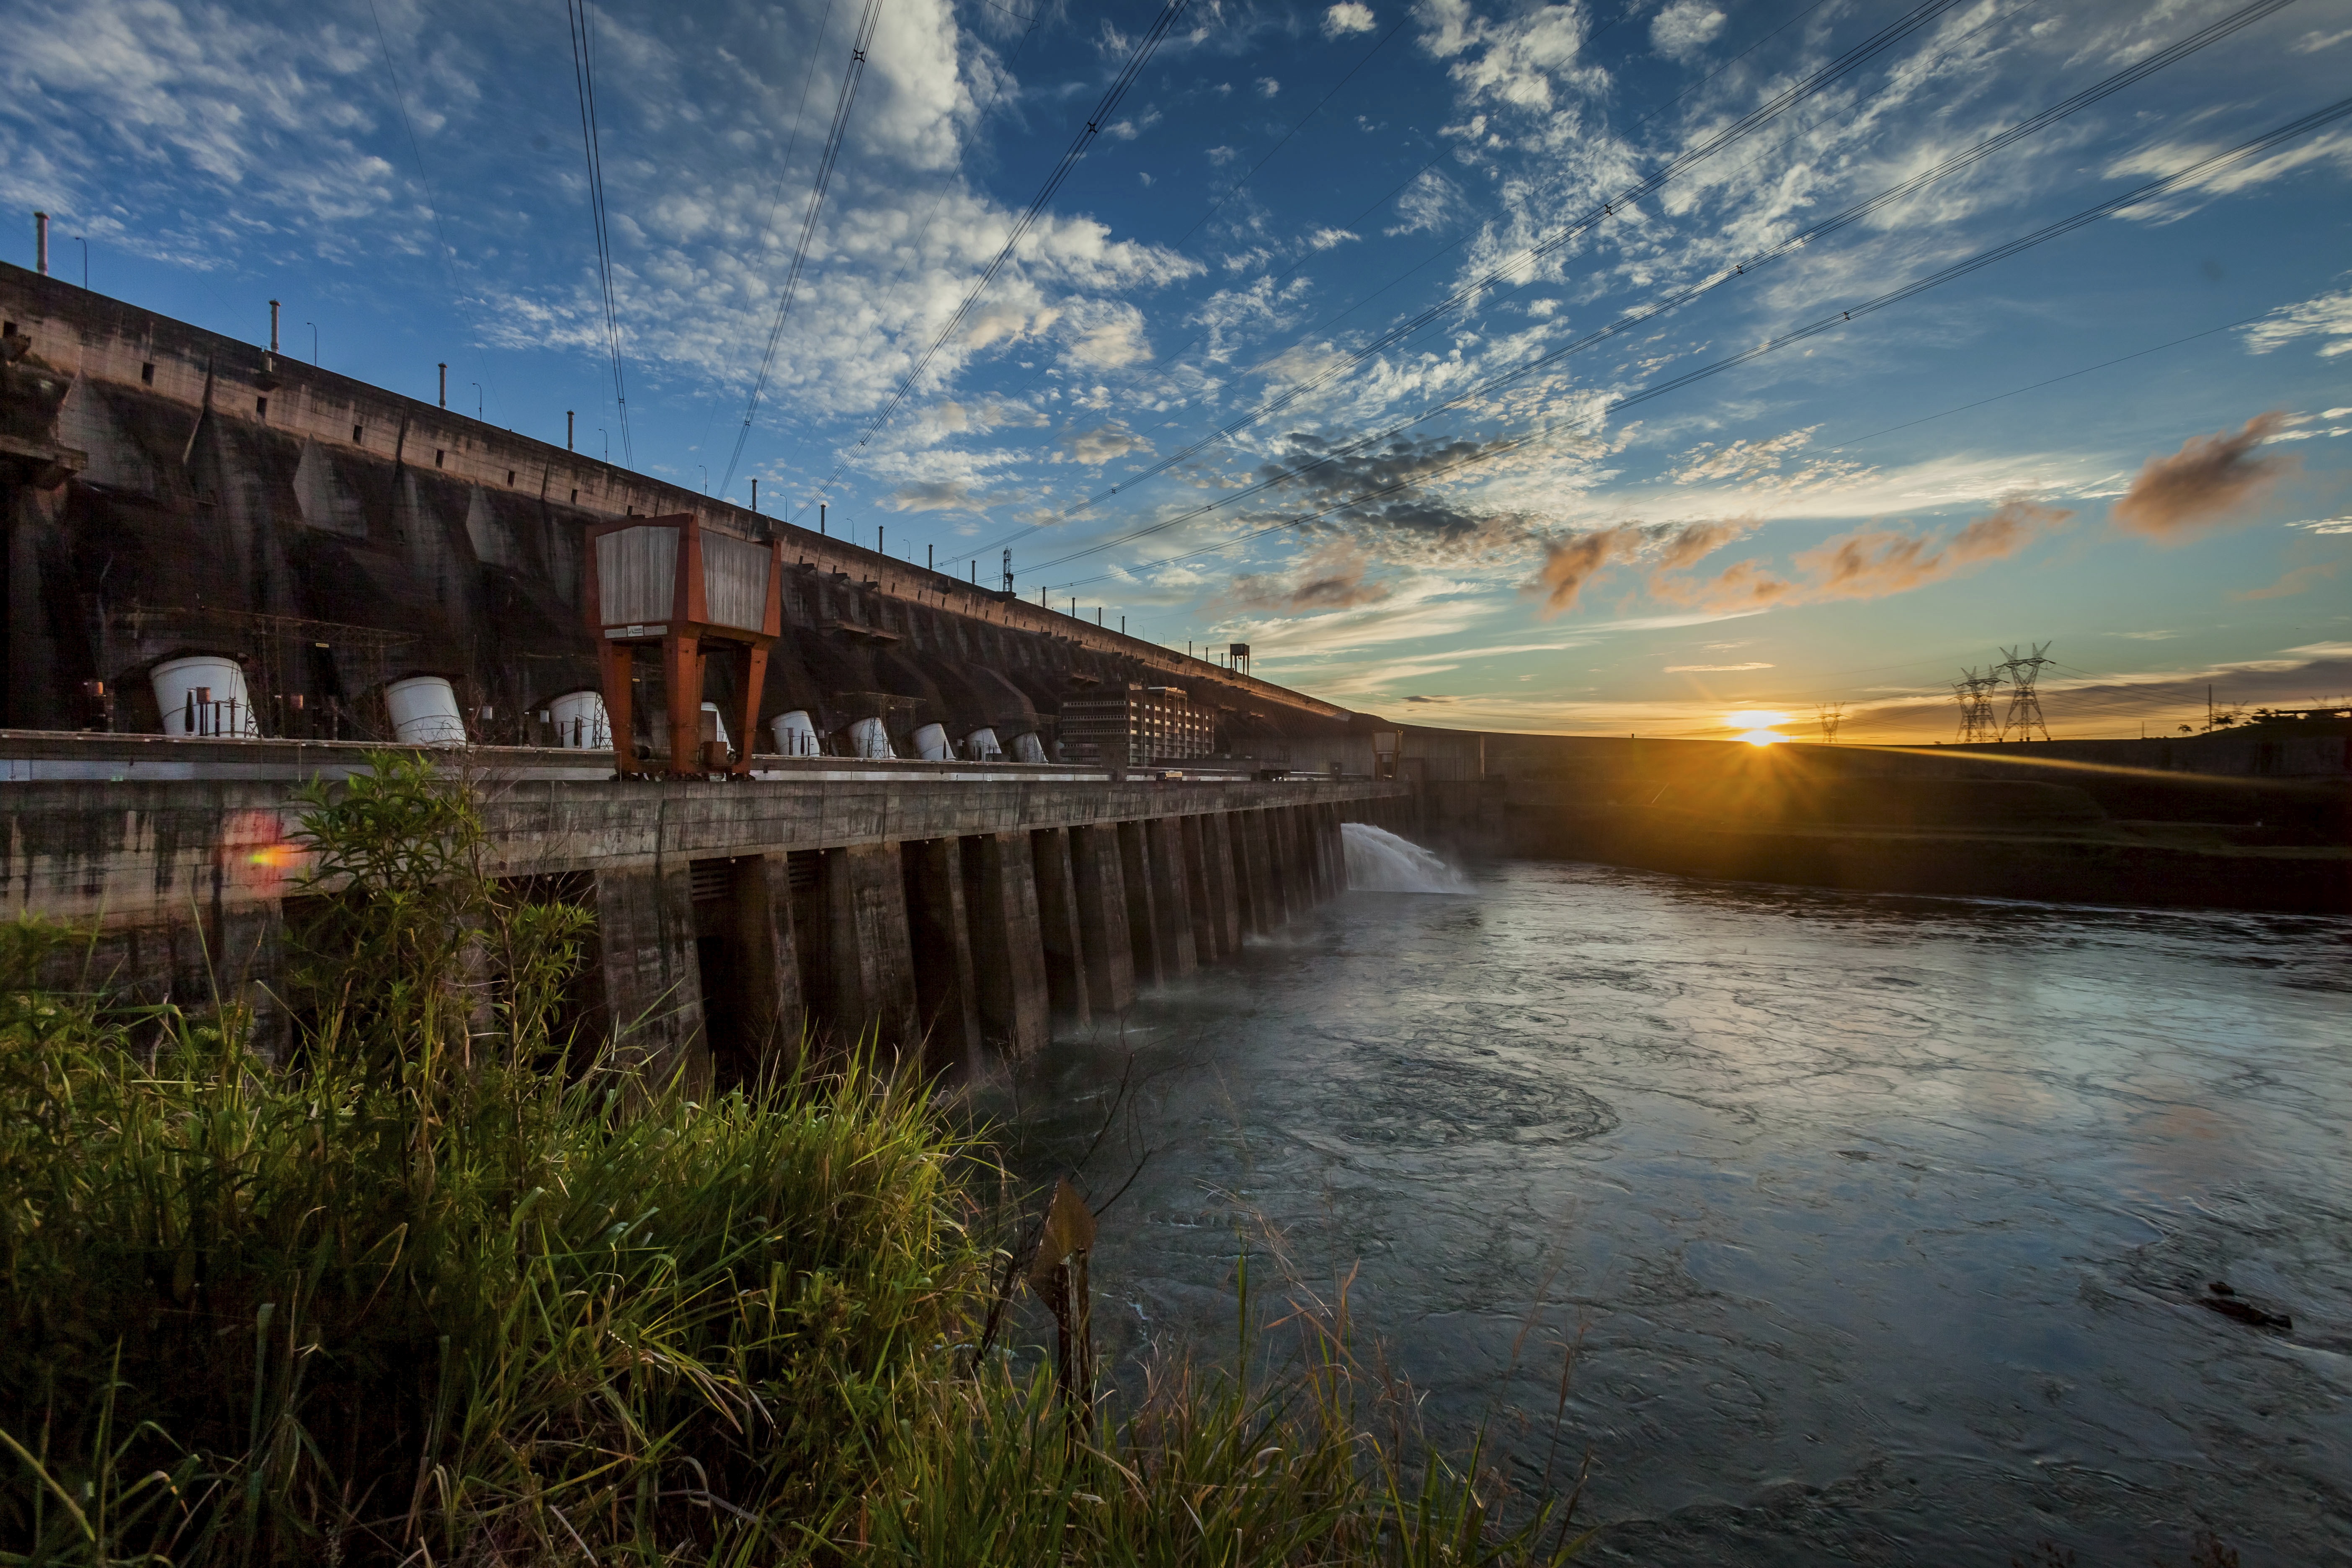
<point>1058,1275</point>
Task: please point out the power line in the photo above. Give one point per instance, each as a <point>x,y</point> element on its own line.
<point>1755,120</point>
<point>2139,194</point>
<point>914,250</point>
<point>1103,110</point>
<point>583,73</point>
<point>817,187</point>
<point>2036,387</point>
<point>1848,216</point>
<point>784,168</point>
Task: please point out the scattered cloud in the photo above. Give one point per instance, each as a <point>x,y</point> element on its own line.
<point>938,495</point>
<point>1348,16</point>
<point>1332,578</point>
<point>1267,87</point>
<point>1095,447</point>
<point>2293,581</point>
<point>1872,562</point>
<point>2204,485</point>
<point>2146,636</point>
<point>2328,317</point>
<point>1712,668</point>
<point>2326,524</point>
<point>1684,27</point>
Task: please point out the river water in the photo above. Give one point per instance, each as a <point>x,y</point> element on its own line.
<point>1883,1221</point>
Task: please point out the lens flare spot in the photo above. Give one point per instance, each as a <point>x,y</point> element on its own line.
<point>277,857</point>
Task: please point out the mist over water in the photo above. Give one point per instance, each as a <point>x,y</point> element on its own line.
<point>1885,1221</point>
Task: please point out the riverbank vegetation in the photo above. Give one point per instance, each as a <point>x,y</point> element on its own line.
<point>448,1285</point>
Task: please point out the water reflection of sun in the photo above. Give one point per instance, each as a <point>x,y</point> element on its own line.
<point>1755,725</point>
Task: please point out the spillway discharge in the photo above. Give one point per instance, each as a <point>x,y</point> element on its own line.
<point>1380,862</point>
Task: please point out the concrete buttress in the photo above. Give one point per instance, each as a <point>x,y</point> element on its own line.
<point>938,927</point>
<point>1057,919</point>
<point>1007,948</point>
<point>1102,918</point>
<point>1226,900</point>
<point>873,989</point>
<point>1142,920</point>
<point>653,989</point>
<point>1191,844</point>
<point>1172,896</point>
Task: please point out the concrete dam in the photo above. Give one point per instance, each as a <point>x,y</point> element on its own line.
<point>929,809</point>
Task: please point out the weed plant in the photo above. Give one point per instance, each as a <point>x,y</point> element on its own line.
<point>444,1286</point>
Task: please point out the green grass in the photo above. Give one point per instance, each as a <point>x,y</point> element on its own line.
<point>447,1286</point>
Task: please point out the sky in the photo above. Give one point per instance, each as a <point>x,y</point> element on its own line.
<point>1514,366</point>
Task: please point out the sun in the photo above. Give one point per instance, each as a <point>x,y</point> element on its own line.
<point>1764,737</point>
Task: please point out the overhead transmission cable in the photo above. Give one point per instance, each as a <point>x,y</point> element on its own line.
<point>583,75</point>
<point>1374,205</point>
<point>1756,119</point>
<point>1740,268</point>
<point>1103,110</point>
<point>2139,195</point>
<point>1443,154</point>
<point>817,187</point>
<point>784,168</point>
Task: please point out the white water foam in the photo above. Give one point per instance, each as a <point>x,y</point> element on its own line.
<point>1380,862</point>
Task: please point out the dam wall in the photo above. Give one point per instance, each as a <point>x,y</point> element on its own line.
<point>168,490</point>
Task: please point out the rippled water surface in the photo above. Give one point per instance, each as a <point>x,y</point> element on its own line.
<point>1885,1221</point>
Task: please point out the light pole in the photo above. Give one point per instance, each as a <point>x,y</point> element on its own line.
<point>608,444</point>
<point>314,342</point>
<point>477,398</point>
<point>706,476</point>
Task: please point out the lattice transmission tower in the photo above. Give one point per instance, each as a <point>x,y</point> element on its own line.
<point>2024,704</point>
<point>1832,714</point>
<point>1975,693</point>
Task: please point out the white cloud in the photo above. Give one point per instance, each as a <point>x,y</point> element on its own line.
<point>1712,668</point>
<point>1684,27</point>
<point>2328,317</point>
<point>1267,87</point>
<point>1348,16</point>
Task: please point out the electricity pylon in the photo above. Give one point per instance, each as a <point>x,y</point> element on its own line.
<point>1975,693</point>
<point>2024,704</point>
<point>1830,714</point>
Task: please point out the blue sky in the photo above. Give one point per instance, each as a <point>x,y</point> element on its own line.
<point>1457,521</point>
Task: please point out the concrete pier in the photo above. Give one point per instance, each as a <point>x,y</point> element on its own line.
<point>933,908</point>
